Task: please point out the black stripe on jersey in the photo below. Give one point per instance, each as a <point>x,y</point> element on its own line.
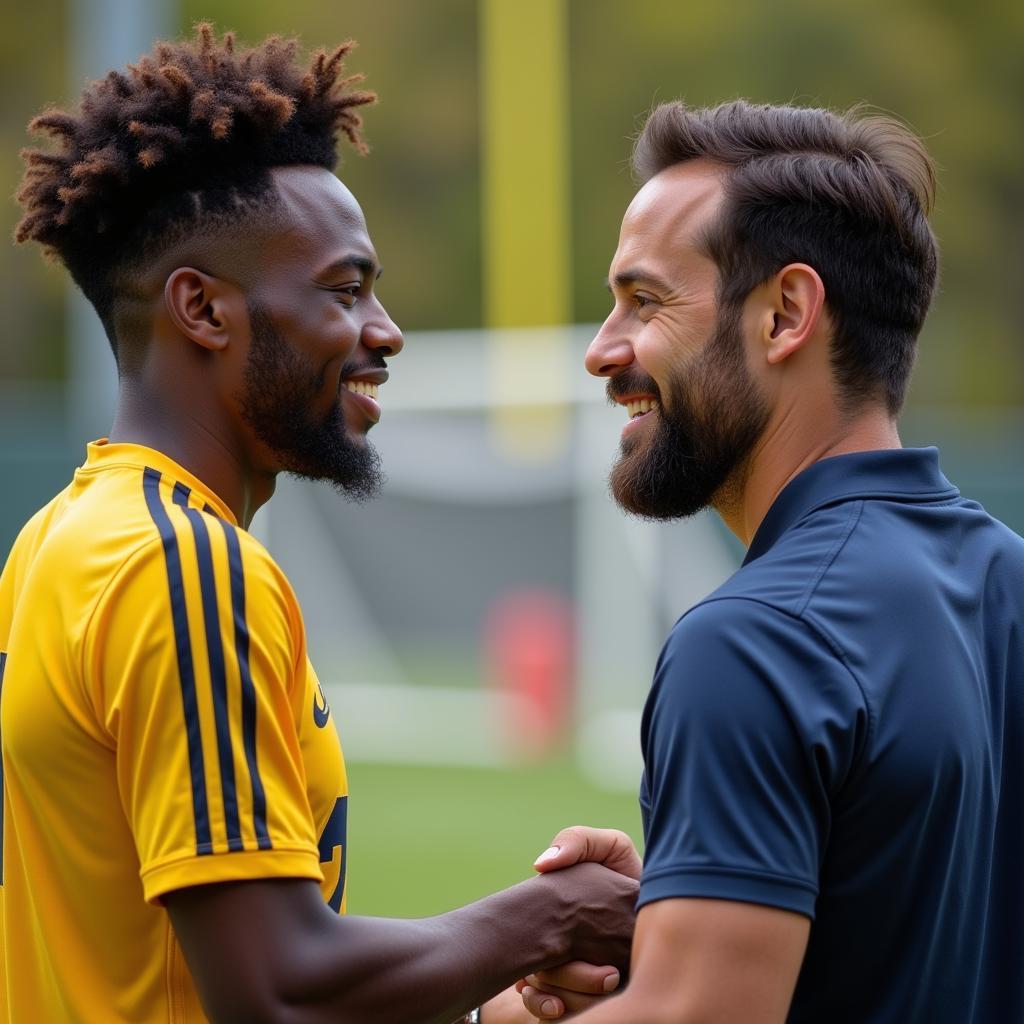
<point>259,798</point>
<point>218,670</point>
<point>186,670</point>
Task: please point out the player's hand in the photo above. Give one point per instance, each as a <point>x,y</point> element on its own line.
<point>597,908</point>
<point>563,991</point>
<point>607,846</point>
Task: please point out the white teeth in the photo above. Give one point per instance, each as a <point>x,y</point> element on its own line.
<point>362,387</point>
<point>639,406</point>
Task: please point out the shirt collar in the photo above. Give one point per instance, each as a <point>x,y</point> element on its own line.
<point>104,454</point>
<point>901,474</point>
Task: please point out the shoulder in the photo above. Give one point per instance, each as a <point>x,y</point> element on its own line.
<point>253,569</point>
<point>188,602</point>
<point>191,566</point>
<point>34,532</point>
<point>197,546</point>
<point>734,659</point>
<point>786,575</point>
<point>731,623</point>
<point>730,635</point>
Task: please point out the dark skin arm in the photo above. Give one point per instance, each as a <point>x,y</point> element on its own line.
<point>272,951</point>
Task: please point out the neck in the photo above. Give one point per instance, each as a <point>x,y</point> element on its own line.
<point>148,416</point>
<point>784,452</point>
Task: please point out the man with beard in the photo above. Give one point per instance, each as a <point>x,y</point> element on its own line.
<point>834,740</point>
<point>174,796</point>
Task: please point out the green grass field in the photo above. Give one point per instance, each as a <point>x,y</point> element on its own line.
<point>424,839</point>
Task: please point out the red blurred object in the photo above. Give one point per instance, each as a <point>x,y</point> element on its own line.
<point>529,643</point>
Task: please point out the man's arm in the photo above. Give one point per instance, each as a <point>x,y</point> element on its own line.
<point>271,950</point>
<point>706,961</point>
<point>752,725</point>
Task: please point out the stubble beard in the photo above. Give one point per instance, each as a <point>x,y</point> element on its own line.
<point>280,391</point>
<point>697,453</point>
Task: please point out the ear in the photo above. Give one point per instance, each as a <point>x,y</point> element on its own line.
<point>204,308</point>
<point>796,298</point>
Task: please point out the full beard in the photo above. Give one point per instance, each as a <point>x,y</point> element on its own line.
<point>702,437</point>
<point>280,391</point>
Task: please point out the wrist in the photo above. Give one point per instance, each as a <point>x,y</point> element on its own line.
<point>555,914</point>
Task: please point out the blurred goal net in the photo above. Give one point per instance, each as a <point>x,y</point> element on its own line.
<point>493,603</point>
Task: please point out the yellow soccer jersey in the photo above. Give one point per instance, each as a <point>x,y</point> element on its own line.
<point>161,727</point>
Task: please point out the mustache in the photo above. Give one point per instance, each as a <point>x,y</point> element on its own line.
<point>375,362</point>
<point>631,382</point>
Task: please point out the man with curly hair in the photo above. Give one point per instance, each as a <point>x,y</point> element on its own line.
<point>175,797</point>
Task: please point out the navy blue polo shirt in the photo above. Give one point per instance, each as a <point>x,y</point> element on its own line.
<point>838,731</point>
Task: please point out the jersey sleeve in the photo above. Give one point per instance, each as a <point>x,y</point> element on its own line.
<point>751,729</point>
<point>195,659</point>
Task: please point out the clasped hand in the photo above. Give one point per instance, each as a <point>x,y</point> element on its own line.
<point>573,987</point>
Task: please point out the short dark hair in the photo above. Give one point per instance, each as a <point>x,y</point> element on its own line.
<point>846,193</point>
<point>185,138</point>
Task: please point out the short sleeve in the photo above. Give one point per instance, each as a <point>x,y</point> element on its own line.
<point>196,663</point>
<point>752,726</point>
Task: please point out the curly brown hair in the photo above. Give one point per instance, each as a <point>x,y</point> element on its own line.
<point>187,136</point>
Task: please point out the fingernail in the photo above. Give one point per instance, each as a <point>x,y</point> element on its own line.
<point>549,1008</point>
<point>549,854</point>
<point>611,983</point>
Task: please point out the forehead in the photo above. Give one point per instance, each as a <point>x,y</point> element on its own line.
<point>318,216</point>
<point>665,218</point>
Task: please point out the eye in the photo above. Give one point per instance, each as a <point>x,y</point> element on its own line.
<point>347,296</point>
<point>640,301</point>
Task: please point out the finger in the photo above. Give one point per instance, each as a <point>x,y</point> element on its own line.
<point>607,846</point>
<point>571,1002</point>
<point>577,976</point>
<point>541,1004</point>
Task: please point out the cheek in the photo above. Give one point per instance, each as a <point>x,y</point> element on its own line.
<point>325,333</point>
<point>666,345</point>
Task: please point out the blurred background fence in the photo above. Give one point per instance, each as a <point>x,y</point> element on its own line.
<point>488,627</point>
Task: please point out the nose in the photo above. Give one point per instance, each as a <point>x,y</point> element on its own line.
<point>381,334</point>
<point>610,351</point>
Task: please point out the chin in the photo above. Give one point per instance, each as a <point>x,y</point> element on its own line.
<point>357,438</point>
<point>354,428</point>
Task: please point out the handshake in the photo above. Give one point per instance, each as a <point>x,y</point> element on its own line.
<point>594,873</point>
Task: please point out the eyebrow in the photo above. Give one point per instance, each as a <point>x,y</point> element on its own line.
<point>624,278</point>
<point>361,263</point>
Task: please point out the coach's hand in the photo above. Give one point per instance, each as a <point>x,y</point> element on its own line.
<point>579,843</point>
<point>566,990</point>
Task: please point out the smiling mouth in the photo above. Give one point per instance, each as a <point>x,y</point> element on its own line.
<point>362,387</point>
<point>639,406</point>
